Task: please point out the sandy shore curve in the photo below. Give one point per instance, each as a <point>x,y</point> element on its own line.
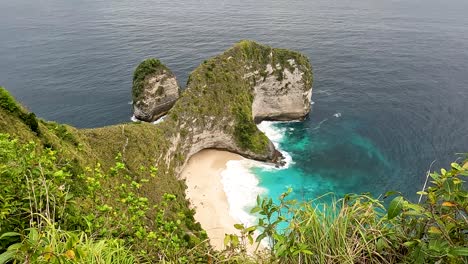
<point>205,192</point>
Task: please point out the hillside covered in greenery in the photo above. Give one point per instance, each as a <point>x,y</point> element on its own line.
<point>111,194</point>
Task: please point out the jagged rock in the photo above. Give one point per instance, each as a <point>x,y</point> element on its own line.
<point>155,90</point>
<point>282,93</point>
<point>226,94</point>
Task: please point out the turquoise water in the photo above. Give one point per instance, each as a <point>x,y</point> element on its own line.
<point>331,157</point>
<point>390,77</point>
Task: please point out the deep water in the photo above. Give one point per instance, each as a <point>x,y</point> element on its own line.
<point>390,91</point>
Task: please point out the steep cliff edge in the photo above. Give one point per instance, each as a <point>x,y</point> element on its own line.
<point>226,94</point>
<point>224,97</point>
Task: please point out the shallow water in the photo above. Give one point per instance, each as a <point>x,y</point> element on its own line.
<point>390,92</point>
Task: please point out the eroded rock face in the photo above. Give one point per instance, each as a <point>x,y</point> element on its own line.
<point>228,93</point>
<point>155,90</point>
<point>225,96</point>
<point>282,94</point>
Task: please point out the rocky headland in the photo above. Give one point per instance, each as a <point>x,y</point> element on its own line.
<point>224,98</point>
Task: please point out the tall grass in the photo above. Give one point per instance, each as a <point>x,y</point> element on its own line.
<point>349,230</point>
<point>50,244</point>
<point>360,229</point>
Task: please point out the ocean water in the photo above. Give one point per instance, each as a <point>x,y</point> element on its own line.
<point>390,92</point>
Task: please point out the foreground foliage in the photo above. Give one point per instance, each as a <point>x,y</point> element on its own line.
<point>51,214</point>
<point>62,201</point>
<point>104,211</point>
<point>360,229</point>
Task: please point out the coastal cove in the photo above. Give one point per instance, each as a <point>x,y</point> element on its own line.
<point>394,73</point>
<point>233,132</point>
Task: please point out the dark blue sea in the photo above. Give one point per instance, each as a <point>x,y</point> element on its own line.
<point>391,76</point>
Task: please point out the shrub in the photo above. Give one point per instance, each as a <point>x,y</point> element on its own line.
<point>8,103</point>
<point>359,229</point>
<point>52,245</point>
<point>30,120</point>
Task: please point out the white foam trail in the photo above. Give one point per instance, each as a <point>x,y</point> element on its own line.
<point>134,119</point>
<point>276,135</point>
<point>320,124</point>
<point>241,188</point>
<point>159,120</point>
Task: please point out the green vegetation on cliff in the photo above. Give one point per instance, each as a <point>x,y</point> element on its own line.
<point>71,179</point>
<point>146,68</point>
<point>111,194</point>
<point>220,94</point>
<point>7,103</point>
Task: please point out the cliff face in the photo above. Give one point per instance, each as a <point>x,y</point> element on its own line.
<point>226,94</point>
<point>282,98</point>
<point>155,90</point>
<point>224,97</point>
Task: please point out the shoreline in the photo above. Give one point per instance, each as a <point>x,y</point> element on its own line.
<point>205,191</point>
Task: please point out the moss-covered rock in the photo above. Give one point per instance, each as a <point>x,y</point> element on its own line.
<point>226,94</point>
<point>154,91</point>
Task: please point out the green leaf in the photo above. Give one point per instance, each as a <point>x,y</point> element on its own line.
<point>33,234</point>
<point>250,239</point>
<point>411,243</point>
<point>234,240</point>
<point>239,226</point>
<point>9,234</point>
<point>395,207</point>
<point>390,193</point>
<point>15,246</point>
<point>459,251</point>
<point>250,229</point>
<point>256,209</point>
<point>260,237</point>
<point>7,256</point>
<point>227,239</point>
<point>456,166</point>
<point>414,207</point>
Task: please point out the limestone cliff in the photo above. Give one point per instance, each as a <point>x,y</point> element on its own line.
<point>155,90</point>
<point>226,94</point>
<point>224,97</point>
<point>282,93</point>
<point>218,109</point>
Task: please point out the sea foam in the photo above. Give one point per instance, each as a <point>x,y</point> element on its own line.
<point>241,185</point>
<point>134,119</point>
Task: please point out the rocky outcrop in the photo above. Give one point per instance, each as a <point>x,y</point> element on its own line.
<point>282,93</point>
<point>228,93</point>
<point>155,90</point>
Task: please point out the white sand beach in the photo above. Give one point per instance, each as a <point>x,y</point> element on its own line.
<point>206,193</point>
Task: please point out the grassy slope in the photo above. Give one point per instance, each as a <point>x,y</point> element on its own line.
<point>86,148</point>
<point>217,94</point>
